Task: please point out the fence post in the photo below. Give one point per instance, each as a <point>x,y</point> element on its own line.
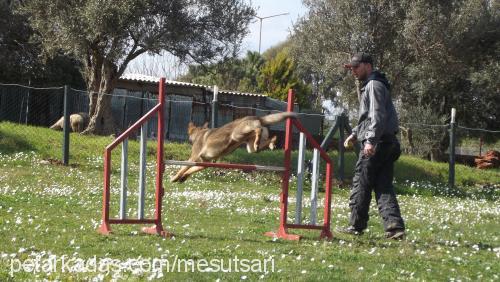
<point>66,126</point>
<point>215,107</point>
<point>451,177</point>
<point>341,147</point>
<point>27,104</point>
<point>357,147</point>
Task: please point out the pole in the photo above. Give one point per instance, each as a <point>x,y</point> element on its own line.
<point>124,176</point>
<point>451,178</point>
<point>260,33</point>
<point>314,186</point>
<point>215,110</point>
<point>341,147</point>
<point>27,104</point>
<point>263,18</point>
<point>142,171</point>
<point>66,126</point>
<point>300,178</point>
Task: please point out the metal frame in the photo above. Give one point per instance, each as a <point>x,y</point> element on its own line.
<point>158,229</point>
<point>105,227</point>
<point>284,225</point>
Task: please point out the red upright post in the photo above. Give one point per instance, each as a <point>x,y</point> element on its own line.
<point>160,168</point>
<point>283,231</point>
<point>105,228</point>
<point>326,233</point>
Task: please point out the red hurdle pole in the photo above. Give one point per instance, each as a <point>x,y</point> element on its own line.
<point>160,168</point>
<point>283,231</point>
<point>105,228</point>
<point>326,233</point>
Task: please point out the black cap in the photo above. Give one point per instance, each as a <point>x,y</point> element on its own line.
<point>359,58</point>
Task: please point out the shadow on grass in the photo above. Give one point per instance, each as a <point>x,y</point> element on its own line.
<point>10,143</point>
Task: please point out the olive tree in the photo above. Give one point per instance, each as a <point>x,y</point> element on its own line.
<point>106,35</point>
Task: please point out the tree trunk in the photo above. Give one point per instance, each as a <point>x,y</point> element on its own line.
<point>102,80</point>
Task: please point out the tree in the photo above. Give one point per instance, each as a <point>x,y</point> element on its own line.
<point>252,65</point>
<point>230,74</point>
<point>278,75</point>
<point>335,29</point>
<point>106,35</point>
<point>437,54</point>
<point>21,56</point>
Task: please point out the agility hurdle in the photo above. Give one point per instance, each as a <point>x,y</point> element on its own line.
<point>105,227</point>
<point>160,166</point>
<point>285,170</point>
<point>284,225</point>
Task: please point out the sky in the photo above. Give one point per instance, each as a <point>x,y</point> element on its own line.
<point>274,31</point>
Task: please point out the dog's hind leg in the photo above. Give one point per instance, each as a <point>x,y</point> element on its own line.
<point>269,143</point>
<point>258,135</point>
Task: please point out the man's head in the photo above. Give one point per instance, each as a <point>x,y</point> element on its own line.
<point>361,66</point>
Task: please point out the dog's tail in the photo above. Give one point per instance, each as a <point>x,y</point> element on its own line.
<point>274,118</point>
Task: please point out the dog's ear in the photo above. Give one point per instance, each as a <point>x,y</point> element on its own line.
<point>191,127</point>
<point>205,125</point>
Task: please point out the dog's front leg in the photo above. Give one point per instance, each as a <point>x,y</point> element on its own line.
<point>179,174</point>
<point>190,171</point>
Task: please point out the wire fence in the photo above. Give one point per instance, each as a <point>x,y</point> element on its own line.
<point>431,141</point>
<point>43,107</point>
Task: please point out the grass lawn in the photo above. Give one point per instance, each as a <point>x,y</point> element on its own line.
<point>50,212</point>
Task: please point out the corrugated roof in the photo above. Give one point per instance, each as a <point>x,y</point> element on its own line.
<point>153,79</point>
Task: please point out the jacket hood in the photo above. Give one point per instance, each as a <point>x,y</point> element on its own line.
<point>376,75</point>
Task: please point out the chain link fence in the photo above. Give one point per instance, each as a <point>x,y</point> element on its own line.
<point>426,137</point>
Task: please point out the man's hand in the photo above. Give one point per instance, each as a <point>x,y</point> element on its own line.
<point>350,139</point>
<point>369,150</point>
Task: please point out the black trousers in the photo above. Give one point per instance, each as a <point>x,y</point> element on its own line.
<point>376,173</point>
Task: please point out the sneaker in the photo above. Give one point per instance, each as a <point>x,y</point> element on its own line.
<point>396,234</point>
<point>351,230</point>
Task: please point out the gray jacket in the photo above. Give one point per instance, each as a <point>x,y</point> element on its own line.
<point>378,120</point>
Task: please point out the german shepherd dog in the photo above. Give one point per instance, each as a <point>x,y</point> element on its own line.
<point>211,144</point>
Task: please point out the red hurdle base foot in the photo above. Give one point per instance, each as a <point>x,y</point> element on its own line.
<point>282,234</point>
<point>157,230</point>
<point>104,229</point>
<point>326,234</point>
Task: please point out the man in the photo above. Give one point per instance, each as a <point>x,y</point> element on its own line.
<point>376,130</point>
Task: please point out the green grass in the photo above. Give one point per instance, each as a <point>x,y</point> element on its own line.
<point>48,209</point>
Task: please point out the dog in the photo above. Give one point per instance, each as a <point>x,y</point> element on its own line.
<point>212,144</point>
<point>77,121</point>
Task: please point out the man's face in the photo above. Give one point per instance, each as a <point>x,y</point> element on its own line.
<point>361,71</point>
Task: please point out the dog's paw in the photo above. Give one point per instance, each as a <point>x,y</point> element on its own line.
<point>272,144</point>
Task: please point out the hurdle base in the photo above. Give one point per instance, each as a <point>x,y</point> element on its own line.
<point>104,229</point>
<point>282,234</point>
<point>157,230</point>
<point>326,235</point>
